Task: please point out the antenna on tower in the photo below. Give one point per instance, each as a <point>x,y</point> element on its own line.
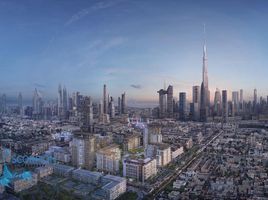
<point>204,32</point>
<point>165,87</point>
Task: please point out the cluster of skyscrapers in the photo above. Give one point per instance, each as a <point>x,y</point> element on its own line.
<point>62,102</point>
<point>200,108</point>
<point>107,108</point>
<point>76,107</point>
<point>166,102</point>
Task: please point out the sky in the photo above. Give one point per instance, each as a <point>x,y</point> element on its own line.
<point>132,46</point>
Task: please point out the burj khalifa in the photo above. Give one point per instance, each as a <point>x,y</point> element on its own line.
<point>205,94</point>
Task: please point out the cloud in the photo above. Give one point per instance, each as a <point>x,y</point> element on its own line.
<point>135,86</point>
<point>97,49</point>
<point>84,12</point>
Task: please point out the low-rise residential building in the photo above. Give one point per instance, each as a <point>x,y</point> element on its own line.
<point>62,155</point>
<point>20,184</point>
<point>175,152</point>
<point>114,186</point>
<point>44,171</point>
<point>62,170</point>
<point>86,176</point>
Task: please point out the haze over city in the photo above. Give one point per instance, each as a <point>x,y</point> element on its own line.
<point>132,46</point>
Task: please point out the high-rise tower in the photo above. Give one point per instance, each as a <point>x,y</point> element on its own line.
<point>60,100</point>
<point>119,105</point>
<point>64,103</point>
<point>224,106</point>
<point>235,100</point>
<point>87,114</point>
<point>182,105</point>
<point>170,101</point>
<point>217,102</point>
<point>241,101</point>
<point>111,108</point>
<point>162,97</point>
<point>123,103</point>
<point>205,97</point>
<point>105,103</point>
<point>195,105</point>
<point>255,101</point>
<point>196,94</point>
<point>37,104</point>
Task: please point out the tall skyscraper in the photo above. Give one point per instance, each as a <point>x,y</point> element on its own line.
<point>182,106</point>
<point>37,105</point>
<point>195,105</point>
<point>100,108</point>
<point>162,96</point>
<point>111,108</point>
<point>70,103</point>
<point>20,108</point>
<point>105,103</point>
<point>123,103</point>
<point>60,100</point>
<point>170,101</point>
<point>119,106</point>
<point>217,102</point>
<point>235,100</point>
<point>64,103</point>
<point>241,101</point>
<point>255,96</point>
<point>224,106</point>
<point>255,101</point>
<point>87,114</point>
<point>166,102</point>
<point>165,99</point>
<point>205,97</point>
<point>196,94</point>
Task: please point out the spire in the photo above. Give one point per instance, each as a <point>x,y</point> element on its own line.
<point>205,45</point>
<point>205,76</point>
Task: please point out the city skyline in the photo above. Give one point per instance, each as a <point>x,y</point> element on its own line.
<point>136,55</point>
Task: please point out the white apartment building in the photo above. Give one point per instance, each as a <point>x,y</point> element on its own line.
<point>108,159</point>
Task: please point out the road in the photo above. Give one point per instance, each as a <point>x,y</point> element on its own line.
<point>179,170</point>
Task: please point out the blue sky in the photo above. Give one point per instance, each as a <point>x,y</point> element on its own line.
<point>132,46</point>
